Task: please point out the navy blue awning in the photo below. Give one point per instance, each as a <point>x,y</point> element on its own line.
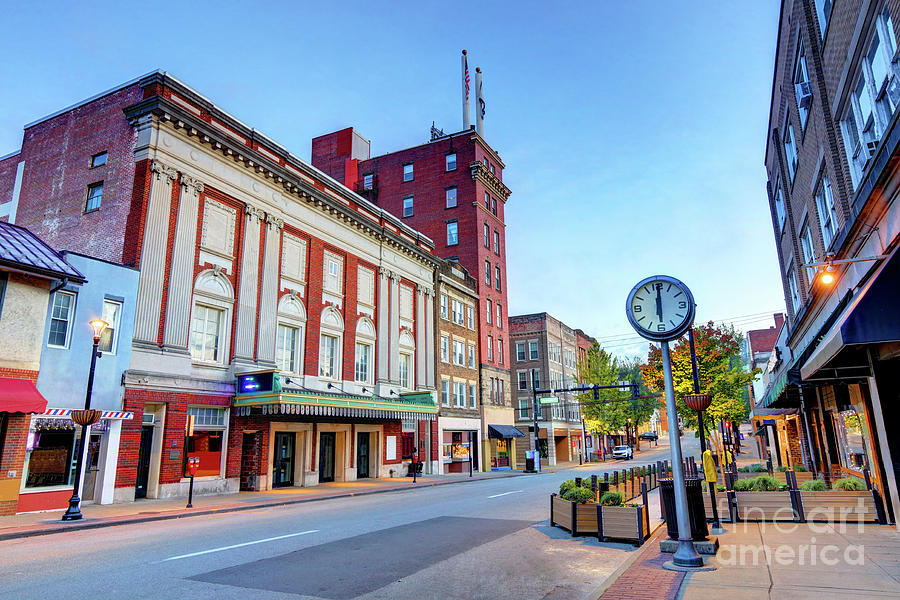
<point>502,432</point>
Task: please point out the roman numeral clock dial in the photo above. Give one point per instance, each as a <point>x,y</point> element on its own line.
<point>660,308</point>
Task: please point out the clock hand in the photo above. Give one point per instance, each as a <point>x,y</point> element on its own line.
<point>659,310</point>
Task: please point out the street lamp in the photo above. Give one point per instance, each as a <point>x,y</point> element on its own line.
<point>85,418</point>
<point>827,275</point>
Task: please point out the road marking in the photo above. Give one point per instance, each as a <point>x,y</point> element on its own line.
<point>504,494</point>
<point>271,539</point>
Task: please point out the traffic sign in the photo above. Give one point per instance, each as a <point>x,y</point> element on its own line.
<point>549,400</point>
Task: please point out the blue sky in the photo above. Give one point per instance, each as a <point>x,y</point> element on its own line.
<point>633,133</point>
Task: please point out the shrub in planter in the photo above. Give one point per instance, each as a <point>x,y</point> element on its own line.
<point>612,499</point>
<point>816,485</point>
<point>758,468</point>
<point>578,494</point>
<point>800,469</point>
<point>849,484</point>
<point>782,469</point>
<point>744,485</point>
<point>783,487</point>
<point>744,469</point>
<point>565,486</point>
<point>765,483</point>
<point>720,487</point>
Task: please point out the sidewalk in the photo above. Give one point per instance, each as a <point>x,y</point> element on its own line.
<point>768,560</point>
<point>141,511</point>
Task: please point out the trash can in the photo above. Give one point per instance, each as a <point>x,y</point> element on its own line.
<point>529,461</point>
<point>695,509</point>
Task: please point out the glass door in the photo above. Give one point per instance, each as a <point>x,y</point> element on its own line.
<point>326,456</point>
<point>362,455</point>
<point>283,463</point>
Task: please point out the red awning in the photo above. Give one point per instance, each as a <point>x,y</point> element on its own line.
<point>20,396</point>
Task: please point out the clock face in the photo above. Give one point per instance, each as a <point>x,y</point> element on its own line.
<point>660,308</point>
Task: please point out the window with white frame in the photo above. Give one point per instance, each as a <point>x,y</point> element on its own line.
<point>793,288</point>
<point>809,255</point>
<point>330,342</point>
<point>497,277</point>
<point>490,341</point>
<point>408,172</point>
<point>487,272</point>
<point>450,162</point>
<point>487,236</point>
<point>452,233</point>
<point>444,310</point>
<point>533,350</point>
<point>874,98</point>
<point>459,352</point>
<point>405,370</point>
<point>408,206</point>
<point>458,315</point>
<point>524,408</point>
<point>365,350</point>
<point>496,241</point>
<point>334,273</point>
<point>823,11</point>
<point>473,396</point>
<point>520,351</point>
<point>499,315</point>
<point>471,356</point>
<point>470,316</point>
<point>445,348</point>
<point>827,211</point>
<point>445,392</point>
<point>61,317</point>
<point>94,196</point>
<point>802,88</point>
<point>450,197</point>
<point>459,394</point>
<point>500,350</point>
<point>210,318</point>
<point>368,181</point>
<point>490,311</point>
<point>522,379</point>
<point>778,200</point>
<point>790,147</point>
<point>206,328</point>
<point>487,201</point>
<point>289,334</point>
<point>112,312</point>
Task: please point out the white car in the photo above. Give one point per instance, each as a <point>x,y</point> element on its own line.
<point>624,452</point>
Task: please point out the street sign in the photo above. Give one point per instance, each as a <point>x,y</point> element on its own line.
<point>549,400</point>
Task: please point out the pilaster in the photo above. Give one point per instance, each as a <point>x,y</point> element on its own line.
<point>153,255</point>
<point>248,286</point>
<point>265,349</point>
<point>178,308</point>
<point>383,324</point>
<point>421,382</point>
<point>394,351</point>
<point>429,339</point>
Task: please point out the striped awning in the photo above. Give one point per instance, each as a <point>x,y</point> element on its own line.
<point>107,414</point>
<point>333,411</point>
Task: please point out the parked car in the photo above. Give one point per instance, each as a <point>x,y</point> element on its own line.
<point>649,435</point>
<point>624,452</point>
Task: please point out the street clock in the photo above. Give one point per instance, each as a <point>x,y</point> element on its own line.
<point>660,308</point>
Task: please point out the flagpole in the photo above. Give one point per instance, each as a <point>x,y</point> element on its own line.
<point>479,104</point>
<point>467,123</point>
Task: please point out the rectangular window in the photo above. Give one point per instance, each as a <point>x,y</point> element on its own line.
<point>408,207</point>
<point>473,396</point>
<point>61,319</point>
<point>452,233</point>
<point>328,357</point>
<point>445,392</point>
<point>470,317</point>
<point>523,380</point>
<point>459,352</point>
<point>790,149</point>
<point>487,272</point>
<point>286,348</point>
<point>490,349</point>
<point>533,350</point>
<point>802,89</point>
<point>499,316</point>
<point>451,162</point>
<point>205,332</point>
<point>405,362</point>
<point>823,10</point>
<point>94,196</point>
<point>497,277</point>
<point>450,197</point>
<point>827,211</point>
<point>445,348</point>
<point>500,350</point>
<point>459,394</point>
<point>524,409</point>
<point>363,360</point>
<point>535,379</point>
<point>487,201</point>
<point>98,160</point>
<point>487,236</point>
<point>471,356</point>
<point>490,311</point>
<point>520,351</point>
<point>444,311</point>
<point>334,273</point>
<point>793,287</point>
<point>206,446</point>
<point>496,241</point>
<point>458,316</point>
<point>368,181</point>
<point>778,199</point>
<point>809,255</point>
<point>407,172</point>
<point>494,205</point>
<point>112,311</point>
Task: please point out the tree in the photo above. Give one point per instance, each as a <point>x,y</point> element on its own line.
<point>721,373</point>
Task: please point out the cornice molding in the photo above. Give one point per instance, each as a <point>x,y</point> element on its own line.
<point>481,173</point>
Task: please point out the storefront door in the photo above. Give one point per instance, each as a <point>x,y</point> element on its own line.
<point>92,468</point>
<point>326,456</point>
<point>283,463</point>
<point>143,471</point>
<point>362,455</point>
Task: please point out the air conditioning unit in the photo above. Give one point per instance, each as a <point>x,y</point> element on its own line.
<point>804,94</point>
<point>149,419</point>
<point>871,146</point>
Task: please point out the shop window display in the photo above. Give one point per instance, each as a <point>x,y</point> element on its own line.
<point>49,453</point>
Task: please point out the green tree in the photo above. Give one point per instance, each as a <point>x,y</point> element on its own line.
<point>600,368</point>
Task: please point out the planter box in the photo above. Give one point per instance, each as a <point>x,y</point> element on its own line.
<point>764,506</point>
<point>839,506</point>
<point>721,504</point>
<point>580,518</point>
<point>623,523</point>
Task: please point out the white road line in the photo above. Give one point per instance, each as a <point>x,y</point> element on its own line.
<point>271,539</point>
<point>504,494</point>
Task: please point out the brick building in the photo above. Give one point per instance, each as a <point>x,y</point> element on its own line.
<point>831,155</point>
<point>250,262</point>
<point>543,355</point>
<point>29,272</point>
<point>451,189</point>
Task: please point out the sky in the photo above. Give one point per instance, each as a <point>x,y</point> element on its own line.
<point>633,132</point>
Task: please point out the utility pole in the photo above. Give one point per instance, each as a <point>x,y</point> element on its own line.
<point>536,407</point>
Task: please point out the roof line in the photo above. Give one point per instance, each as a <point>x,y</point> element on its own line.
<point>11,154</point>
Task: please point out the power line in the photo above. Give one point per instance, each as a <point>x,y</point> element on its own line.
<point>759,316</point>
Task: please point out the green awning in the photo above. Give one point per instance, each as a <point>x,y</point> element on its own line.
<point>785,391</point>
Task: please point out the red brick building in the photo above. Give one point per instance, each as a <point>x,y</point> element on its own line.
<point>251,261</point>
<point>450,189</point>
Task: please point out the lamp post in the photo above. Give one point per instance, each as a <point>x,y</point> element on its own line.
<point>85,418</point>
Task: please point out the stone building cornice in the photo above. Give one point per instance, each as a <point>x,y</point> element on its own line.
<point>480,172</point>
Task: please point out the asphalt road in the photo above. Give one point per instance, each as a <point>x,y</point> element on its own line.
<point>480,539</point>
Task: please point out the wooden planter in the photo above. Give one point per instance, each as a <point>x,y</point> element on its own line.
<point>764,506</point>
<point>721,504</point>
<point>623,523</point>
<point>837,506</point>
<point>580,518</point>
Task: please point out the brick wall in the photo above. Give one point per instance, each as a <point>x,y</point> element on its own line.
<point>391,428</point>
<point>257,463</point>
<point>12,452</point>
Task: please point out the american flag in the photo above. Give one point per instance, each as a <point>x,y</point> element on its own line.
<point>466,59</point>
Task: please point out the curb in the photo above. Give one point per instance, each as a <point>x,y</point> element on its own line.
<point>598,592</point>
<point>228,508</point>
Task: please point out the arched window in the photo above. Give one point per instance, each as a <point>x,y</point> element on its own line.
<point>330,342</point>
<point>365,350</point>
<point>407,352</point>
<point>289,335</point>
<point>211,317</point>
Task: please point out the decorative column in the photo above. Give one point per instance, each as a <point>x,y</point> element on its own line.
<point>181,277</point>
<point>153,255</point>
<point>244,338</point>
<point>383,324</point>
<point>265,349</point>
<point>394,351</point>
<point>429,339</point>
<point>420,338</point>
